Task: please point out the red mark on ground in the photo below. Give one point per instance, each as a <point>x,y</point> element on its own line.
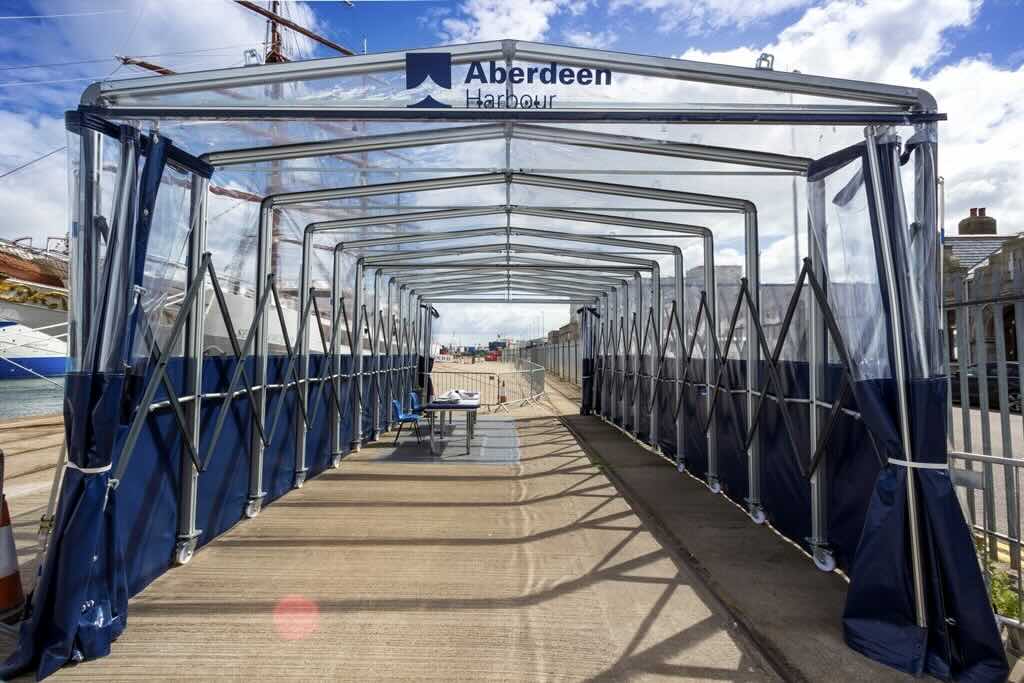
<point>296,617</point>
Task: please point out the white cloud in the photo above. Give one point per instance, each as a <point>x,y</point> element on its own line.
<point>475,324</point>
<point>698,16</point>
<point>980,147</point>
<point>479,20</point>
<point>33,199</point>
<point>582,38</point>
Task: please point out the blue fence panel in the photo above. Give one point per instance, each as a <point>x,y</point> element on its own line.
<point>785,492</point>
<point>318,433</point>
<point>694,412</point>
<point>147,498</point>
<point>731,426</point>
<point>223,489</point>
<point>279,456</point>
<point>666,408</point>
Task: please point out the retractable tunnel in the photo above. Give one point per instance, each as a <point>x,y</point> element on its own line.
<point>259,256</point>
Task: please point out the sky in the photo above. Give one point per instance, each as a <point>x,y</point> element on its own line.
<point>969,54</point>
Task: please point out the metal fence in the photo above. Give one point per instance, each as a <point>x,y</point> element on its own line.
<point>561,358</point>
<point>986,428</point>
<point>523,383</point>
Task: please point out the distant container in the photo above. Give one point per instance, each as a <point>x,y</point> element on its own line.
<point>977,223</point>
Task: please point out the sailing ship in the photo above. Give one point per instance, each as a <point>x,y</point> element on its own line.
<point>33,308</point>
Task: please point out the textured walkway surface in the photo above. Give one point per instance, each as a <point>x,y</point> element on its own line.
<point>792,610</point>
<point>397,568</point>
<point>31,446</point>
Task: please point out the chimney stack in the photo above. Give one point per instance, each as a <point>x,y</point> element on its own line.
<point>978,223</point>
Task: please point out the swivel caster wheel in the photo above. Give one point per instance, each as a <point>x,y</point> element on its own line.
<point>758,516</point>
<point>336,461</point>
<point>253,508</point>
<point>184,552</point>
<point>824,560</point>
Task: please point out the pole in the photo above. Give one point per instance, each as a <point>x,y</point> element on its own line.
<point>816,356</point>
<point>899,370</point>
<point>680,345</point>
<point>193,353</point>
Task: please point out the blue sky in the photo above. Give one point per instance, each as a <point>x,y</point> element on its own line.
<point>627,25</point>
<point>969,53</point>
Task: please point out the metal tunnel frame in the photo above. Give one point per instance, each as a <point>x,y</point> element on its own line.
<point>595,265</point>
<point>107,96</point>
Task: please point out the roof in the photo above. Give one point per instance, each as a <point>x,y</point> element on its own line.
<point>970,250</point>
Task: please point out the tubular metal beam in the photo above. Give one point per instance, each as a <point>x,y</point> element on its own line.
<point>127,91</point>
<point>509,130</point>
<point>485,300</point>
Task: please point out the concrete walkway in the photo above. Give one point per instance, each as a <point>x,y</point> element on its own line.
<point>527,568</point>
<point>31,447</point>
<point>791,610</point>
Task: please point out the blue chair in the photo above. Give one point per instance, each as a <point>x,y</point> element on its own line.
<point>403,419</point>
<point>414,403</point>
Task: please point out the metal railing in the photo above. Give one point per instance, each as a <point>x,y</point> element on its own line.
<point>986,429</point>
<point>521,384</point>
<point>564,359</point>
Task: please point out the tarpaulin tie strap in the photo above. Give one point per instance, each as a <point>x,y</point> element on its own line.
<point>89,470</point>
<point>919,465</point>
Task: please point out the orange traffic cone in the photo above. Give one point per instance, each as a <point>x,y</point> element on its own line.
<point>12,597</point>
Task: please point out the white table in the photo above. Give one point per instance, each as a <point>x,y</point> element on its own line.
<point>469,406</point>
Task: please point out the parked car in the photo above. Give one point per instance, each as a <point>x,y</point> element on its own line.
<point>1013,389</point>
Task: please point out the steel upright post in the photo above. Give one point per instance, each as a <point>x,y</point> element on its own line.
<point>613,337</point>
<point>357,359</point>
<point>680,346</point>
<point>753,366</point>
<point>596,352</point>
<point>193,353</point>
<point>817,359</point>
<point>390,327</point>
<point>302,345</point>
<point>638,356</point>
<point>336,336</point>
<point>264,256</point>
<point>710,364</point>
<point>375,356</point>
<point>899,370</point>
<point>655,309</point>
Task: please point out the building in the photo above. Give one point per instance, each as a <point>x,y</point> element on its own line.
<point>982,266</point>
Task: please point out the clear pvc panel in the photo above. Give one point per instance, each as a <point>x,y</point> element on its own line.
<point>844,246</point>
<point>106,351</point>
<point>918,237</point>
<point>775,299</point>
<point>693,318</point>
<point>77,274</point>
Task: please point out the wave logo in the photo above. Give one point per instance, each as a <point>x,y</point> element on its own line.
<point>437,66</point>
